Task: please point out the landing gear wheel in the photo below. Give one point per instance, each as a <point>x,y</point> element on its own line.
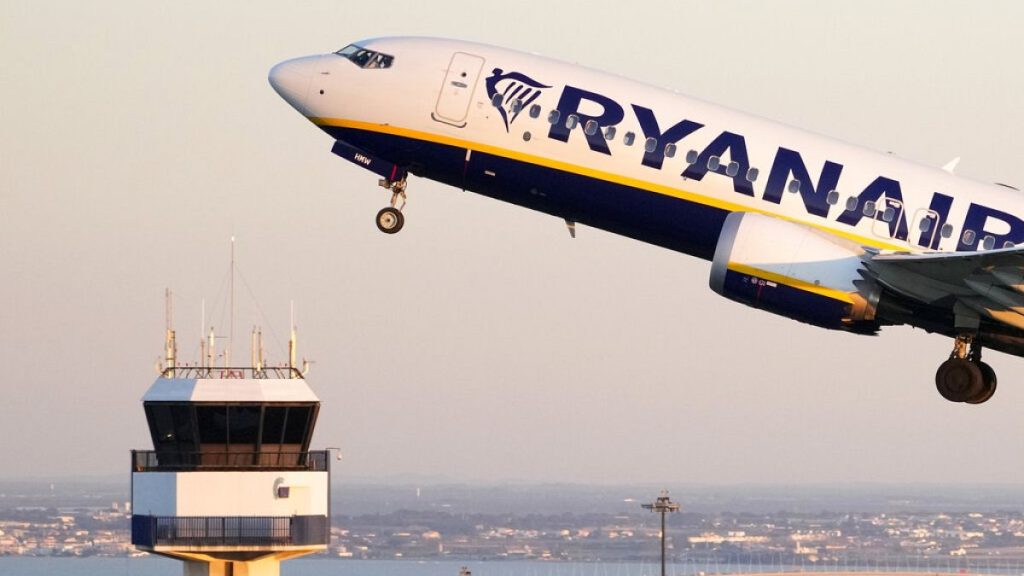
<point>390,220</point>
<point>988,388</point>
<point>959,380</point>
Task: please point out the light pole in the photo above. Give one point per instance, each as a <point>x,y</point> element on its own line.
<point>662,505</point>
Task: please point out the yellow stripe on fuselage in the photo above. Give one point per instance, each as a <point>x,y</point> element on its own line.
<point>591,173</point>
<point>791,282</point>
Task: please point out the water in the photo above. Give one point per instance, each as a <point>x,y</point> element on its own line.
<point>322,566</point>
<point>156,566</point>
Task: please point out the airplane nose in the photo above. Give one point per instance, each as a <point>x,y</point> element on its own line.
<point>291,80</point>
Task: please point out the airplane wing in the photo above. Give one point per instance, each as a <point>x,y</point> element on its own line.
<point>990,282</point>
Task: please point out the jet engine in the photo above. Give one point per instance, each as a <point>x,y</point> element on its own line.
<point>794,271</point>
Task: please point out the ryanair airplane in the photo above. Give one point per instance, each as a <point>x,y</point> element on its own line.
<point>794,223</point>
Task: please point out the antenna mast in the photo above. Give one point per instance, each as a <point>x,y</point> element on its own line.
<point>170,344</point>
<point>231,328</point>
<point>292,341</point>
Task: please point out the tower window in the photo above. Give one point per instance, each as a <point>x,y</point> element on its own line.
<point>213,424</point>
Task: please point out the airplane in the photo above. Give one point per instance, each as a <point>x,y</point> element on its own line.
<point>794,223</point>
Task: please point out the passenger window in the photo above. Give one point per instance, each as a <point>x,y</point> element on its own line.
<point>946,231</point>
<point>832,198</point>
<point>496,100</point>
<point>732,169</point>
<point>988,242</point>
<point>1008,244</point>
<point>926,224</point>
<point>670,150</point>
<point>609,133</point>
<point>535,111</point>
<point>714,163</point>
<point>794,186</point>
<point>517,106</point>
<point>851,204</point>
<point>752,174</point>
<point>590,128</point>
<point>651,144</point>
<point>572,121</point>
<point>691,157</point>
<point>869,208</point>
<point>888,214</point>
<point>968,237</point>
<point>628,138</point>
<point>554,116</point>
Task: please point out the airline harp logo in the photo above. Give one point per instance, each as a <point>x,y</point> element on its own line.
<point>512,93</point>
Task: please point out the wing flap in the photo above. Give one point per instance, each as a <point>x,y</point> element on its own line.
<point>990,282</point>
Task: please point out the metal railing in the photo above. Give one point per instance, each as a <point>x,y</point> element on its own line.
<point>227,531</point>
<point>241,372</point>
<point>171,461</point>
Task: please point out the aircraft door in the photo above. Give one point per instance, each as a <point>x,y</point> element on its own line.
<point>887,216</point>
<point>456,92</point>
<point>924,229</point>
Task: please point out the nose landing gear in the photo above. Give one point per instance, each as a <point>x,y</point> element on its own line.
<point>964,377</point>
<point>390,219</point>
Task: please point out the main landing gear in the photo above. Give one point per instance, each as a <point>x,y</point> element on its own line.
<point>964,377</point>
<point>390,219</point>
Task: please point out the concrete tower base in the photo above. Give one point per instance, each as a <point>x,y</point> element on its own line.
<point>263,567</point>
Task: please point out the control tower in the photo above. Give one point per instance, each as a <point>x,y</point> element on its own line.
<point>231,487</point>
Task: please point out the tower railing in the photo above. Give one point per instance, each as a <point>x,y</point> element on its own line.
<point>225,531</point>
<point>172,461</point>
<point>224,373</point>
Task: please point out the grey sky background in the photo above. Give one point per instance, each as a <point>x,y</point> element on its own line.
<point>481,343</point>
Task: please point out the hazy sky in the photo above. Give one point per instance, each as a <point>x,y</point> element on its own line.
<point>480,343</point>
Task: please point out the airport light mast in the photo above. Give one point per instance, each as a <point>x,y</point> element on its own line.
<point>662,505</point>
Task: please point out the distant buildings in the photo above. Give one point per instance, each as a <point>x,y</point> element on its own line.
<point>824,539</point>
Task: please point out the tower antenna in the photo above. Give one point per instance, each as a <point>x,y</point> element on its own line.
<point>292,341</point>
<point>231,317</point>
<point>170,344</point>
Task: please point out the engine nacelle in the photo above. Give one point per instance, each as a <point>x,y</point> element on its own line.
<point>794,271</point>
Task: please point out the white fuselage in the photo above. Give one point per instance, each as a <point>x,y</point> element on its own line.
<point>437,92</point>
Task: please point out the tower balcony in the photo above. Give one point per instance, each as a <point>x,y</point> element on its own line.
<point>229,533</point>
<point>235,460</point>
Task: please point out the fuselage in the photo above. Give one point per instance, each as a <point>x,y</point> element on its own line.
<point>627,157</point>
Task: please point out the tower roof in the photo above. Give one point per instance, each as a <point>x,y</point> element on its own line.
<point>261,390</point>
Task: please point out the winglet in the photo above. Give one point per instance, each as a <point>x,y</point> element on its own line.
<point>571,225</point>
<point>951,165</point>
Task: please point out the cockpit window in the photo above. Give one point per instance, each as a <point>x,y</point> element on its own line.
<point>365,58</point>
